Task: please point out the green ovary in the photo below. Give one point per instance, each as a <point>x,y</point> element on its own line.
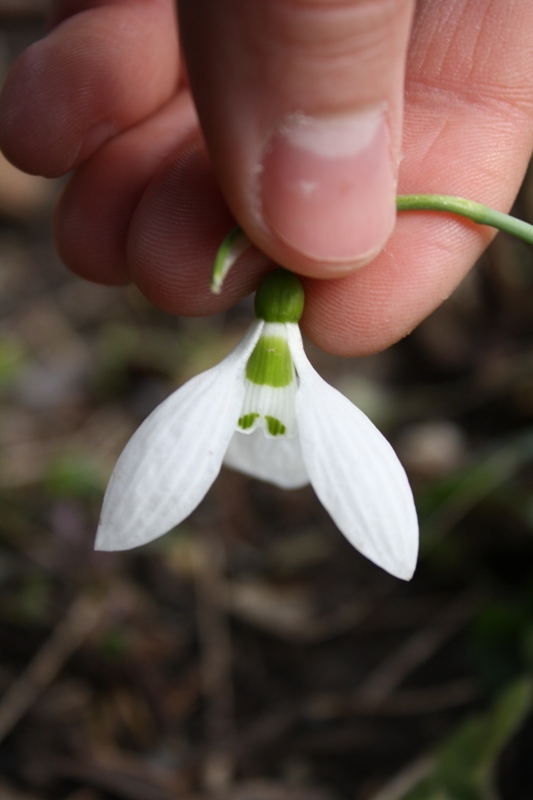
<point>270,363</point>
<point>280,297</point>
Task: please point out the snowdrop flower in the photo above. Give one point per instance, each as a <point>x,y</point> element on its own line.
<point>264,411</point>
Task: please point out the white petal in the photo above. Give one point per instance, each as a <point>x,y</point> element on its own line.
<point>355,472</point>
<point>276,460</point>
<point>171,461</point>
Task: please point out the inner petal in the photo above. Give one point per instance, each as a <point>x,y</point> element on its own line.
<point>270,386</point>
<point>269,408</point>
<point>275,460</point>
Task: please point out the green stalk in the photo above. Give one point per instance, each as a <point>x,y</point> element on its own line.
<point>236,242</point>
<point>477,212</point>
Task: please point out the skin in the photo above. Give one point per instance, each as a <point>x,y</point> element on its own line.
<point>106,96</point>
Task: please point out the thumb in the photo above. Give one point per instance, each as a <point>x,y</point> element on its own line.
<point>301,106</point>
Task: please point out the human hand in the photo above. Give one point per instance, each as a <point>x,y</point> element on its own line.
<point>105,94</point>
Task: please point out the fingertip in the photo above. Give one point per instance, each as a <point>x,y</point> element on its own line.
<point>94,213</point>
<point>304,122</point>
<point>54,147</point>
<point>96,74</point>
<point>99,254</point>
<point>328,189</point>
<point>176,231</point>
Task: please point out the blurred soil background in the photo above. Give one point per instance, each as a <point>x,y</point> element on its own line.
<point>252,654</point>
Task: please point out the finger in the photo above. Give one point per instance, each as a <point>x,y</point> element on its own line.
<point>468,131</point>
<point>93,216</point>
<point>301,106</point>
<point>174,236</point>
<point>96,74</point>
<point>146,207</point>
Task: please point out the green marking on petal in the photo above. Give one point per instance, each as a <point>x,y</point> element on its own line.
<point>275,427</point>
<point>247,421</point>
<point>270,363</point>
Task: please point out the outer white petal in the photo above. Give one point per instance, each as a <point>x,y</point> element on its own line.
<point>355,472</point>
<point>276,460</point>
<point>171,461</point>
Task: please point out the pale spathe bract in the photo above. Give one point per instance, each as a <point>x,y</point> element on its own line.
<point>266,412</point>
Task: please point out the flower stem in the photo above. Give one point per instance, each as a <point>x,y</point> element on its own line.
<point>477,212</point>
<point>236,242</point>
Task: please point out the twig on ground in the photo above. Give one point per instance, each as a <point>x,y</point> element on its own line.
<point>80,620</point>
<point>417,649</point>
<point>216,664</point>
<point>377,693</point>
<point>406,703</point>
<point>406,779</point>
<point>124,783</point>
